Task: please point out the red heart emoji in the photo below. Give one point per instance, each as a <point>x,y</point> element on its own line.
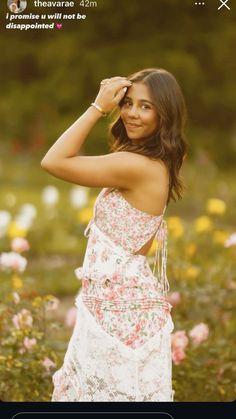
<point>58,25</point>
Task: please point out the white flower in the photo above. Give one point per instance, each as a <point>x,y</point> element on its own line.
<point>12,261</point>
<point>23,221</point>
<point>28,210</point>
<point>50,195</point>
<point>15,297</point>
<point>78,197</point>
<point>5,218</point>
<point>231,241</point>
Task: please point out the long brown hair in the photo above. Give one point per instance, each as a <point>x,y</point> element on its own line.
<point>168,143</point>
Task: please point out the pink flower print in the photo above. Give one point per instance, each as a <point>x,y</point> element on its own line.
<point>137,328</point>
<point>199,333</point>
<point>93,240</point>
<point>92,258</point>
<point>85,283</point>
<point>129,342</point>
<point>111,295</point>
<point>105,255</point>
<point>133,281</point>
<point>99,313</point>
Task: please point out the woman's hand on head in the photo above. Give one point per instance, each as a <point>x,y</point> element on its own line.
<point>112,92</point>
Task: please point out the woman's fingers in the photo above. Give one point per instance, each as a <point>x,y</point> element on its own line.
<point>112,79</point>
<point>119,85</point>
<point>120,95</point>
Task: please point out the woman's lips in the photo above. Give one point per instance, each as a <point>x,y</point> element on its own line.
<point>132,125</point>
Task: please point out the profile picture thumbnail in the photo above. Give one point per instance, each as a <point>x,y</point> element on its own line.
<point>16,6</point>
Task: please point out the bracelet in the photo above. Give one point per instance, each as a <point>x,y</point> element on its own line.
<point>99,109</point>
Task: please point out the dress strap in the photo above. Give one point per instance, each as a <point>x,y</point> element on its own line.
<point>161,257</point>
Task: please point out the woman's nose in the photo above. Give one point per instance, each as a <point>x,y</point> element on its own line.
<point>133,111</point>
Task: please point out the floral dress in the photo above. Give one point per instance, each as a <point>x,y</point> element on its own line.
<point>120,349</point>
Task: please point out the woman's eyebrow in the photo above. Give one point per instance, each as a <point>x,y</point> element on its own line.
<point>141,100</point>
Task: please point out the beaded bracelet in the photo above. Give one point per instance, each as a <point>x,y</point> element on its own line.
<point>99,109</point>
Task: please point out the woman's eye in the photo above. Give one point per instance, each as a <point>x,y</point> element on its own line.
<point>127,103</point>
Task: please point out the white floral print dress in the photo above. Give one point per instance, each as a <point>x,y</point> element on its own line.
<point>120,349</point>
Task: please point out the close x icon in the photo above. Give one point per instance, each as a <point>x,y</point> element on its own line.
<point>224,4</point>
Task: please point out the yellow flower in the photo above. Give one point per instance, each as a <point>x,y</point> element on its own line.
<point>203,224</point>
<point>85,215</point>
<point>219,237</point>
<point>191,249</point>
<point>192,272</point>
<point>37,302</point>
<point>215,206</point>
<point>14,230</point>
<point>175,227</point>
<point>16,282</point>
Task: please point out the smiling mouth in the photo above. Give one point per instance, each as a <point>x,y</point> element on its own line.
<point>132,125</point>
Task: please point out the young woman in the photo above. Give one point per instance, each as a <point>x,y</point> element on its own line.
<point>120,349</point>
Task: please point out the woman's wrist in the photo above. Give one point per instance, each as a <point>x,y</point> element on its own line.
<point>94,112</point>
<point>99,109</point>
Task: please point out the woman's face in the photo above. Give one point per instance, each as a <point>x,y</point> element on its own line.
<point>138,112</point>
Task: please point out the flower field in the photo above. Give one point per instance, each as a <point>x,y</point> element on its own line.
<point>41,243</point>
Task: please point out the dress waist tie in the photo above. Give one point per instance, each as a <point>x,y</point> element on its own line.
<point>160,260</point>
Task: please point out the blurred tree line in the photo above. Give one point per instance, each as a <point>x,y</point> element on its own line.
<point>49,77</point>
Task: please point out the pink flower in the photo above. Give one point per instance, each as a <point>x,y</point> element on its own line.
<point>174,298</point>
<point>22,319</point>
<point>179,341</point>
<point>48,363</point>
<point>12,261</point>
<point>29,343</point>
<point>199,333</point>
<point>178,355</point>
<point>70,318</point>
<point>15,297</point>
<point>19,244</point>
